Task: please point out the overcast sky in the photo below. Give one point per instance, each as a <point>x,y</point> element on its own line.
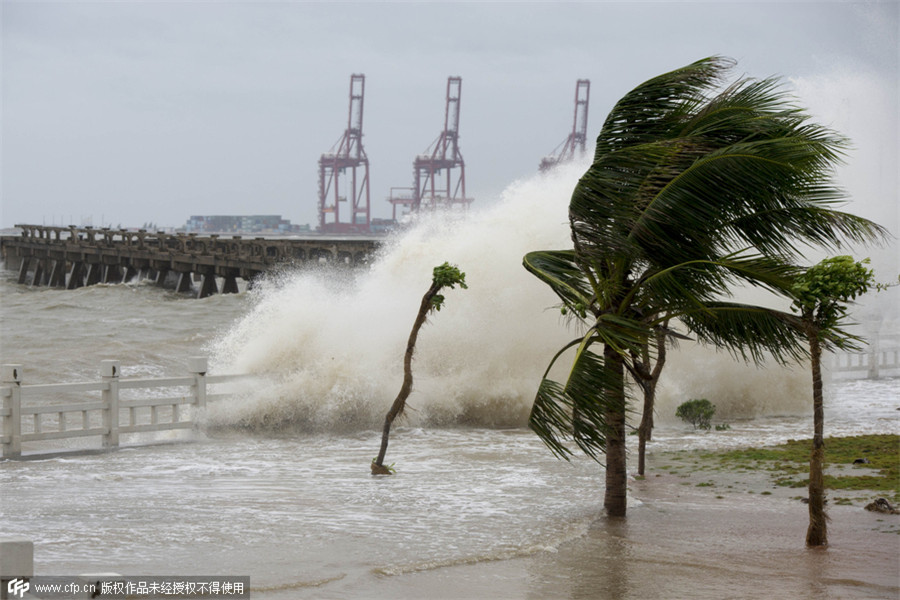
<point>124,113</point>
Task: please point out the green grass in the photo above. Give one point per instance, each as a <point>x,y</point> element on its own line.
<point>789,463</point>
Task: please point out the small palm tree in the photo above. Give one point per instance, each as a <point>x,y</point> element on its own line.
<point>821,296</point>
<point>692,190</point>
<point>443,276</point>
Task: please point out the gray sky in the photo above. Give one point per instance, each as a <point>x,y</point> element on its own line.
<point>129,112</point>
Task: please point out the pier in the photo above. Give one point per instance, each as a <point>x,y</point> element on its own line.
<point>72,257</point>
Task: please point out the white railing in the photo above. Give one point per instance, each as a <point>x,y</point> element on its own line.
<point>109,416</point>
<point>871,364</point>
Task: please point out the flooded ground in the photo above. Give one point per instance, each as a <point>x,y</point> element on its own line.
<point>278,487</point>
<point>472,513</point>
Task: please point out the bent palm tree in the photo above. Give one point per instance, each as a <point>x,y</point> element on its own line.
<point>690,192</point>
<point>445,275</point>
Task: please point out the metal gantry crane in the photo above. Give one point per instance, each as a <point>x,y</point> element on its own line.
<point>578,138</point>
<point>339,181</point>
<point>439,175</point>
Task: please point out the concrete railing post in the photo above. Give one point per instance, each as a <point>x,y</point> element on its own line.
<point>16,562</point>
<point>198,365</point>
<point>874,356</point>
<point>109,373</point>
<point>12,406</point>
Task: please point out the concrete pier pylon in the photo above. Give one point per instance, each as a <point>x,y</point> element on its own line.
<point>230,286</point>
<point>38,275</point>
<point>184,283</point>
<point>94,274</point>
<point>76,276</point>
<point>207,286</point>
<point>129,273</point>
<point>57,274</point>
<point>111,274</point>
<point>23,270</point>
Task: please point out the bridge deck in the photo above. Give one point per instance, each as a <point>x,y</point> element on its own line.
<point>72,257</point>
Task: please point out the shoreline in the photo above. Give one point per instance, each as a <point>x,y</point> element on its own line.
<point>695,529</point>
<point>680,540</point>
<point>691,532</point>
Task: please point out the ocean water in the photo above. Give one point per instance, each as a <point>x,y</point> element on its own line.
<point>277,487</point>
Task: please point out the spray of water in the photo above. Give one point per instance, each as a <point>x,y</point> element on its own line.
<point>332,344</point>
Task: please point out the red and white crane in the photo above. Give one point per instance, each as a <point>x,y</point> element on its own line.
<point>344,174</point>
<point>440,172</point>
<point>576,140</point>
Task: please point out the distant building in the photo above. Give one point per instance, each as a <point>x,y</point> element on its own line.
<point>272,224</point>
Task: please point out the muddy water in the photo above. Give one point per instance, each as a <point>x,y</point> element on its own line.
<point>472,513</point>
<point>280,488</point>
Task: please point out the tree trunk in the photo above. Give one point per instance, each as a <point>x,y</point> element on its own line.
<point>816,535</point>
<point>399,404</point>
<point>616,475</point>
<point>645,429</point>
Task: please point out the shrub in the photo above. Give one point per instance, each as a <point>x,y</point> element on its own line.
<point>698,413</point>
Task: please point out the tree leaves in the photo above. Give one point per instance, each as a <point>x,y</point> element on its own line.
<point>693,189</point>
<point>823,290</point>
<point>445,275</point>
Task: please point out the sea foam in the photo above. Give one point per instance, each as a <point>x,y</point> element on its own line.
<point>331,343</point>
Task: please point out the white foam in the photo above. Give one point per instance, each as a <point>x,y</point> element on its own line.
<point>333,343</point>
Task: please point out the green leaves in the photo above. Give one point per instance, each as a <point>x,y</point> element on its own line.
<point>693,190</point>
<point>683,174</point>
<point>697,412</point>
<point>836,279</point>
<point>576,409</point>
<point>750,332</point>
<point>445,275</point>
<point>823,290</point>
<point>558,269</point>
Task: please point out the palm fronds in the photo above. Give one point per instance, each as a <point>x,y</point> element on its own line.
<point>694,188</point>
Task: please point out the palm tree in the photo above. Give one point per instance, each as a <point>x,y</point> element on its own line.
<point>443,276</point>
<point>821,294</point>
<point>692,190</point>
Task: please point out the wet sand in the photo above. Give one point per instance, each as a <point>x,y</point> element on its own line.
<point>680,540</point>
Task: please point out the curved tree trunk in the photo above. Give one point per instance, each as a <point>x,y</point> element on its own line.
<point>816,535</point>
<point>645,429</point>
<point>399,404</point>
<point>616,475</point>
